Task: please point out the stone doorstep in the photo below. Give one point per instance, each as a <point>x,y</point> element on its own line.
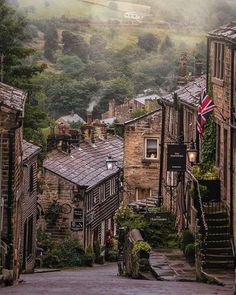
<point>43,270</point>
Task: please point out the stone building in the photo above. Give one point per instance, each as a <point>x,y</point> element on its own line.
<point>11,177</point>
<point>123,112</point>
<point>222,69</point>
<point>143,140</point>
<point>29,206</point>
<point>78,184</point>
<point>18,174</point>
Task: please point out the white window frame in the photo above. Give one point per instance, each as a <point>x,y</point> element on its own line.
<point>158,148</point>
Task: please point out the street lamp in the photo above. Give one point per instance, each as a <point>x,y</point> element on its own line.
<point>192,153</point>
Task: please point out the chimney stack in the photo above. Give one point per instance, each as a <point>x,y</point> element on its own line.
<point>89,118</point>
<point>198,65</point>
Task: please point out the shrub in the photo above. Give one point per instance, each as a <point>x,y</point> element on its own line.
<point>187,239</point>
<point>51,261</point>
<point>111,255</point>
<point>190,252</point>
<point>89,256</point>
<point>68,253</point>
<point>141,246</point>
<point>97,248</point>
<point>127,218</point>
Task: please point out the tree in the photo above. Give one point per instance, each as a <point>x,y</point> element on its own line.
<point>97,49</point>
<point>75,45</point>
<point>148,41</point>
<point>65,94</point>
<point>117,89</point>
<point>15,66</point>
<point>71,65</point>
<point>166,44</point>
<point>50,45</point>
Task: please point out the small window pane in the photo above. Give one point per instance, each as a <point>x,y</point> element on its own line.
<point>151,148</point>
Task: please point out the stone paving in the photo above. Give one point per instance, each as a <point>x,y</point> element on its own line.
<point>171,265</point>
<point>103,280</point>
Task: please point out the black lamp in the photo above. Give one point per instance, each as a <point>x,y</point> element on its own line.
<point>192,153</point>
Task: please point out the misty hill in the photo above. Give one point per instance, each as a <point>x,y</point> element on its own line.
<point>203,13</point>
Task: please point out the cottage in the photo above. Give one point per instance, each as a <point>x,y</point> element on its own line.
<point>145,164</point>
<point>18,173</point>
<point>124,112</point>
<point>29,206</point>
<point>80,194</point>
<point>221,75</point>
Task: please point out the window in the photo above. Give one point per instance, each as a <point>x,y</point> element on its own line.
<point>102,192</point>
<point>151,148</point>
<point>189,126</point>
<point>219,60</point>
<point>31,180</point>
<point>142,193</point>
<point>112,186</point>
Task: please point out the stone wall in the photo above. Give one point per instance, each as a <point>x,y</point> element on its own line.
<point>221,95</point>
<point>140,173</point>
<point>58,189</point>
<point>11,186</point>
<point>29,209</point>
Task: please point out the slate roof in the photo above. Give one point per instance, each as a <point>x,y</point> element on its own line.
<point>12,97</point>
<point>141,99</point>
<point>190,93</point>
<point>72,118</point>
<point>86,165</point>
<point>227,32</point>
<point>29,150</point>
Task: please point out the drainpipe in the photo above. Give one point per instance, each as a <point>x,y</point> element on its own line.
<point>231,141</point>
<point>160,197</point>
<point>207,64</point>
<point>10,200</point>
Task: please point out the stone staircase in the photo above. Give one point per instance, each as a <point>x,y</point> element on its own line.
<point>218,253</point>
<point>57,232</point>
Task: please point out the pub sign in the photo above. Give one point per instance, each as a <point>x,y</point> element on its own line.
<point>176,157</point>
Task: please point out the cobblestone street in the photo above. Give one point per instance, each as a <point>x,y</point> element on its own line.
<point>103,280</point>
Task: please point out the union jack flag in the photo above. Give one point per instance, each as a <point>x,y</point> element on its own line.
<point>205,108</point>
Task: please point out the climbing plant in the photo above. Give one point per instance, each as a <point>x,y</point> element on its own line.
<point>209,141</point>
<point>209,145</point>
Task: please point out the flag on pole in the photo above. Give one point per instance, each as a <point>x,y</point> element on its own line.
<point>205,108</point>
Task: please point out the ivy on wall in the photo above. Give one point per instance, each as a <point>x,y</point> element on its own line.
<point>208,155</point>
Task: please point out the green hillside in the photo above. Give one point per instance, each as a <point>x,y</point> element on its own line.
<point>72,9</point>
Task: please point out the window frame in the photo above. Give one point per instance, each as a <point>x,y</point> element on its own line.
<point>157,145</point>
<point>218,66</point>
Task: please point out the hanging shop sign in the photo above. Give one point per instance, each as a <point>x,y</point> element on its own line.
<point>78,222</point>
<point>176,157</point>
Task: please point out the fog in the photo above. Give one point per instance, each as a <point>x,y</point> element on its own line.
<point>203,13</point>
